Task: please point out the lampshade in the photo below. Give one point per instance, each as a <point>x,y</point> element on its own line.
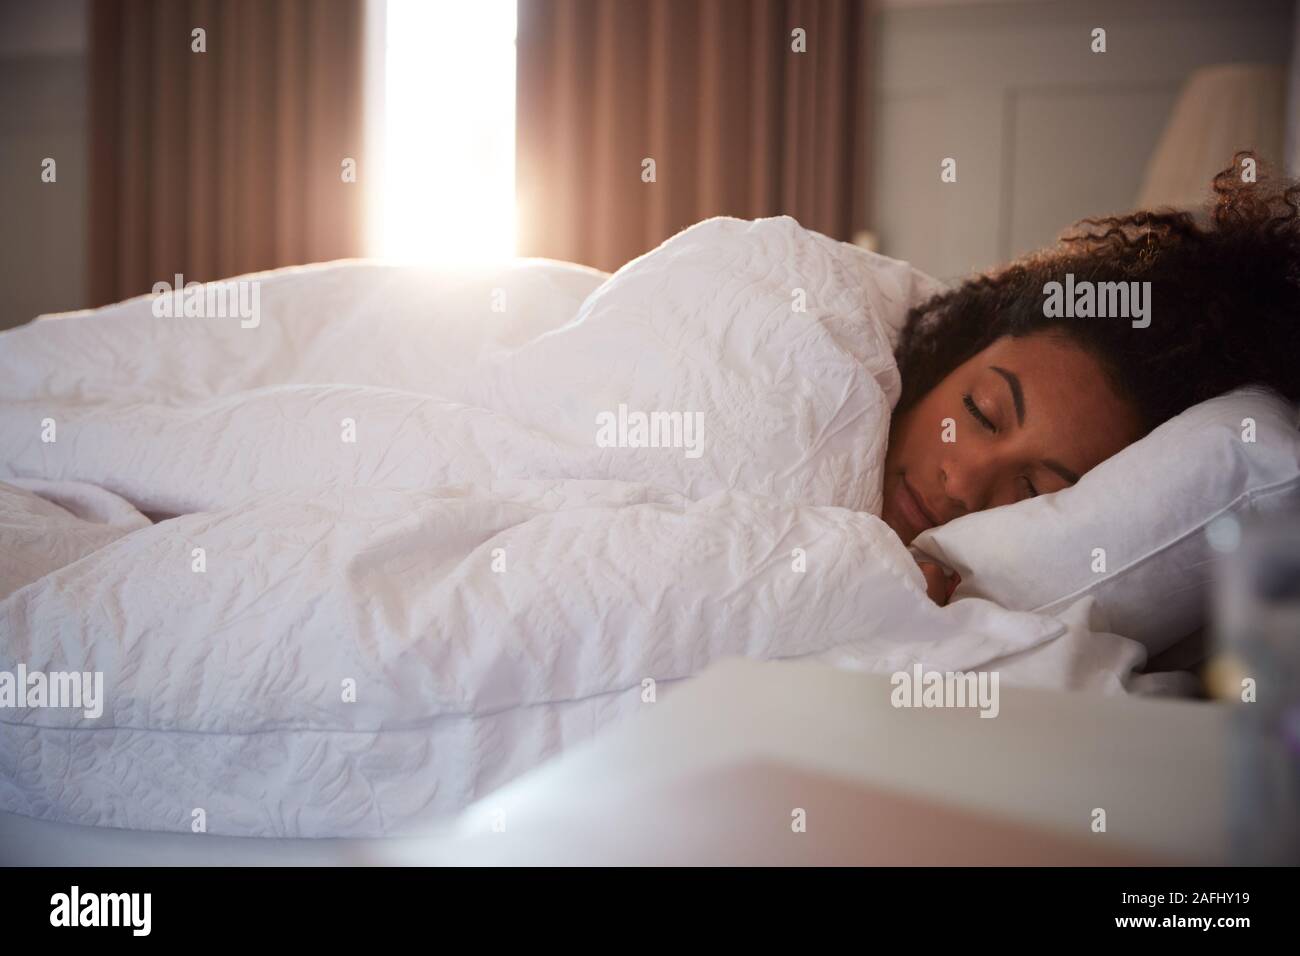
<point>1221,109</point>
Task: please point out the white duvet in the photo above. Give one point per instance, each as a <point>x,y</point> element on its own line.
<point>387,563</point>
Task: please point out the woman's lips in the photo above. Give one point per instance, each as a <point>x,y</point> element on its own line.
<point>913,508</point>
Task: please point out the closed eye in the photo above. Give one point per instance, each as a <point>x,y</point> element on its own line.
<point>978,415</point>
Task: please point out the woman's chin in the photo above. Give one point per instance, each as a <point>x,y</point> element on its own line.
<point>897,525</point>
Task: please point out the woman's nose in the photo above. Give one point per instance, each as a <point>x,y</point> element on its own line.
<point>981,479</point>
<point>970,477</point>
<point>954,490</point>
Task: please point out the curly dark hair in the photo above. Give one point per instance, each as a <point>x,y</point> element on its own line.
<point>1224,294</point>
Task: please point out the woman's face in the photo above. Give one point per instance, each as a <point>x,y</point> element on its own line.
<point>1025,416</point>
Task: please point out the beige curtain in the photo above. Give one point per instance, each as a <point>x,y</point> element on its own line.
<point>711,90</point>
<point>227,161</point>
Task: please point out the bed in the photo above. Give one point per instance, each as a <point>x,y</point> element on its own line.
<point>352,559</point>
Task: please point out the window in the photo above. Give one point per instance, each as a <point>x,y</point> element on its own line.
<point>447,192</point>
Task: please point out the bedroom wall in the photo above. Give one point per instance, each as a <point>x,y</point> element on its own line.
<point>1044,130</point>
<point>42,113</point>
<point>1292,140</point>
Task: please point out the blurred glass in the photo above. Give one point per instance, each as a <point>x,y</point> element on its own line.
<point>1257,670</point>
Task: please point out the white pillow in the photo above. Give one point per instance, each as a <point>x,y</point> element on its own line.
<point>1147,508</point>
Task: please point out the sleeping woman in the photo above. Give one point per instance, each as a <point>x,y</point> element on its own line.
<point>1040,400</point>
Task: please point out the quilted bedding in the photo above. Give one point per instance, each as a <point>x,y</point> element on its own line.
<point>387,565</point>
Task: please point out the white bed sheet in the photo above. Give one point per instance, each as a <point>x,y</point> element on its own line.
<point>383,630</point>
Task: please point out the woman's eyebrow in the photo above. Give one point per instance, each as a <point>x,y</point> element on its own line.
<point>1017,393</point>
